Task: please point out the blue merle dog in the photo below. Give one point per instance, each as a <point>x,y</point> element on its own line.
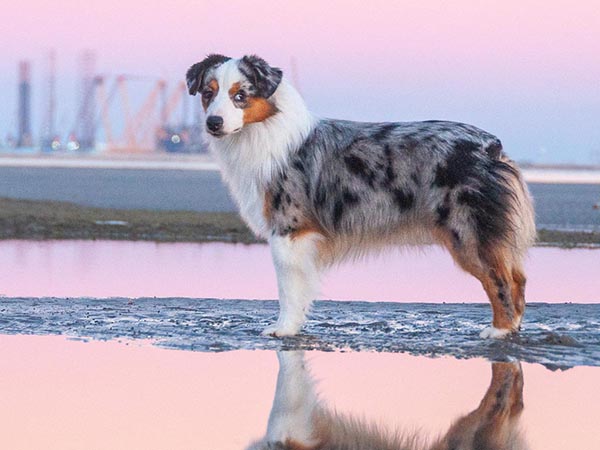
<point>321,190</point>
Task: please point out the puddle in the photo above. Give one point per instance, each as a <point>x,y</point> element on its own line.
<point>125,377</point>
<point>61,394</point>
<point>146,269</point>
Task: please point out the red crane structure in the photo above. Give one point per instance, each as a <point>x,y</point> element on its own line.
<point>146,128</point>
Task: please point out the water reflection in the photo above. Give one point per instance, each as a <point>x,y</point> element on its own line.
<point>147,269</point>
<point>59,394</point>
<point>301,420</point>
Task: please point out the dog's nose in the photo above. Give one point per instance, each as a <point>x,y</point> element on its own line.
<point>214,123</point>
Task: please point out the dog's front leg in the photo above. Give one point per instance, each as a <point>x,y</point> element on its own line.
<point>295,402</point>
<point>295,260</point>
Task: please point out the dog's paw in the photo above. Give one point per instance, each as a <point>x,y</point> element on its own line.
<point>494,333</point>
<point>280,331</point>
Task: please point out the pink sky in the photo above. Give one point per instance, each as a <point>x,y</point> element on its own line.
<point>527,70</point>
<point>556,36</point>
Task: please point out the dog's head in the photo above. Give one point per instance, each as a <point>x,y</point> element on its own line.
<point>235,92</point>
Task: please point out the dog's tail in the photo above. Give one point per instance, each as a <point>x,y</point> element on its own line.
<point>520,212</point>
<point>502,209</point>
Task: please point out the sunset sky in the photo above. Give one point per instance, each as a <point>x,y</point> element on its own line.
<point>528,71</point>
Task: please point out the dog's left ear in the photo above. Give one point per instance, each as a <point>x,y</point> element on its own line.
<point>195,74</point>
<point>264,77</point>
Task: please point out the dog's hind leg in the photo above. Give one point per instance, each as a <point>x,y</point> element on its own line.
<point>518,290</point>
<point>495,423</point>
<point>497,281</point>
<point>295,259</point>
<point>493,268</point>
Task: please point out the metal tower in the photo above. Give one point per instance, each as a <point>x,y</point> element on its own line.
<point>49,139</point>
<point>24,138</point>
<point>85,129</point>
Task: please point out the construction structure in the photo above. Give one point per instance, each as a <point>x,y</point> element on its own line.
<point>153,125</point>
<point>108,117</point>
<point>83,135</point>
<point>177,135</point>
<point>24,138</point>
<point>49,139</point>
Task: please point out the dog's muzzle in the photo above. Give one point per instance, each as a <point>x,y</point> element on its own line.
<point>214,125</point>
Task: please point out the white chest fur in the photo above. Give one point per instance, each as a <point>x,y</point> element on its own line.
<point>251,158</point>
<point>247,181</point>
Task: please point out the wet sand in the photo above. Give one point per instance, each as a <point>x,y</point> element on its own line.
<point>40,220</point>
<point>557,336</point>
<point>61,394</point>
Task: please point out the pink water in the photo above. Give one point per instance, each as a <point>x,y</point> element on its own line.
<point>60,394</point>
<point>136,269</point>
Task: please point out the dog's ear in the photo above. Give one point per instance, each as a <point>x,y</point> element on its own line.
<point>195,74</point>
<point>264,77</point>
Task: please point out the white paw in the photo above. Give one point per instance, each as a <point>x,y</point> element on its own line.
<point>277,330</point>
<point>494,333</point>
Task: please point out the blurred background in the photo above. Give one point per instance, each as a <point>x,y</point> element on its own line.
<point>107,190</point>
<point>100,86</point>
<point>106,77</point>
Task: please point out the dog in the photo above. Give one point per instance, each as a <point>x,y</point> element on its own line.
<point>299,420</point>
<point>322,190</point>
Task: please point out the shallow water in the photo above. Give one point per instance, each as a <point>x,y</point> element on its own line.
<point>147,269</point>
<point>64,395</point>
<point>181,372</point>
<point>558,336</point>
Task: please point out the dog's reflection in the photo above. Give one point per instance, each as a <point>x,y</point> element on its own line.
<point>299,421</point>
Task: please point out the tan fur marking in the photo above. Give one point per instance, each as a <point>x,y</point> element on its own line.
<point>214,85</point>
<point>498,261</point>
<point>518,291</point>
<point>307,229</point>
<point>295,445</point>
<point>268,207</point>
<point>234,88</point>
<point>499,264</point>
<point>258,109</point>
<point>493,424</point>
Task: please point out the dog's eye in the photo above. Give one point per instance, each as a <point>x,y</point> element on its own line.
<point>240,97</point>
<point>207,94</point>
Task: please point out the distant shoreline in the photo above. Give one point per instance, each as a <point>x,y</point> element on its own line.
<point>533,173</point>
<point>48,220</point>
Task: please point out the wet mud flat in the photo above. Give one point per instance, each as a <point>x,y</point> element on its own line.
<point>36,220</point>
<point>43,220</point>
<point>558,336</point>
